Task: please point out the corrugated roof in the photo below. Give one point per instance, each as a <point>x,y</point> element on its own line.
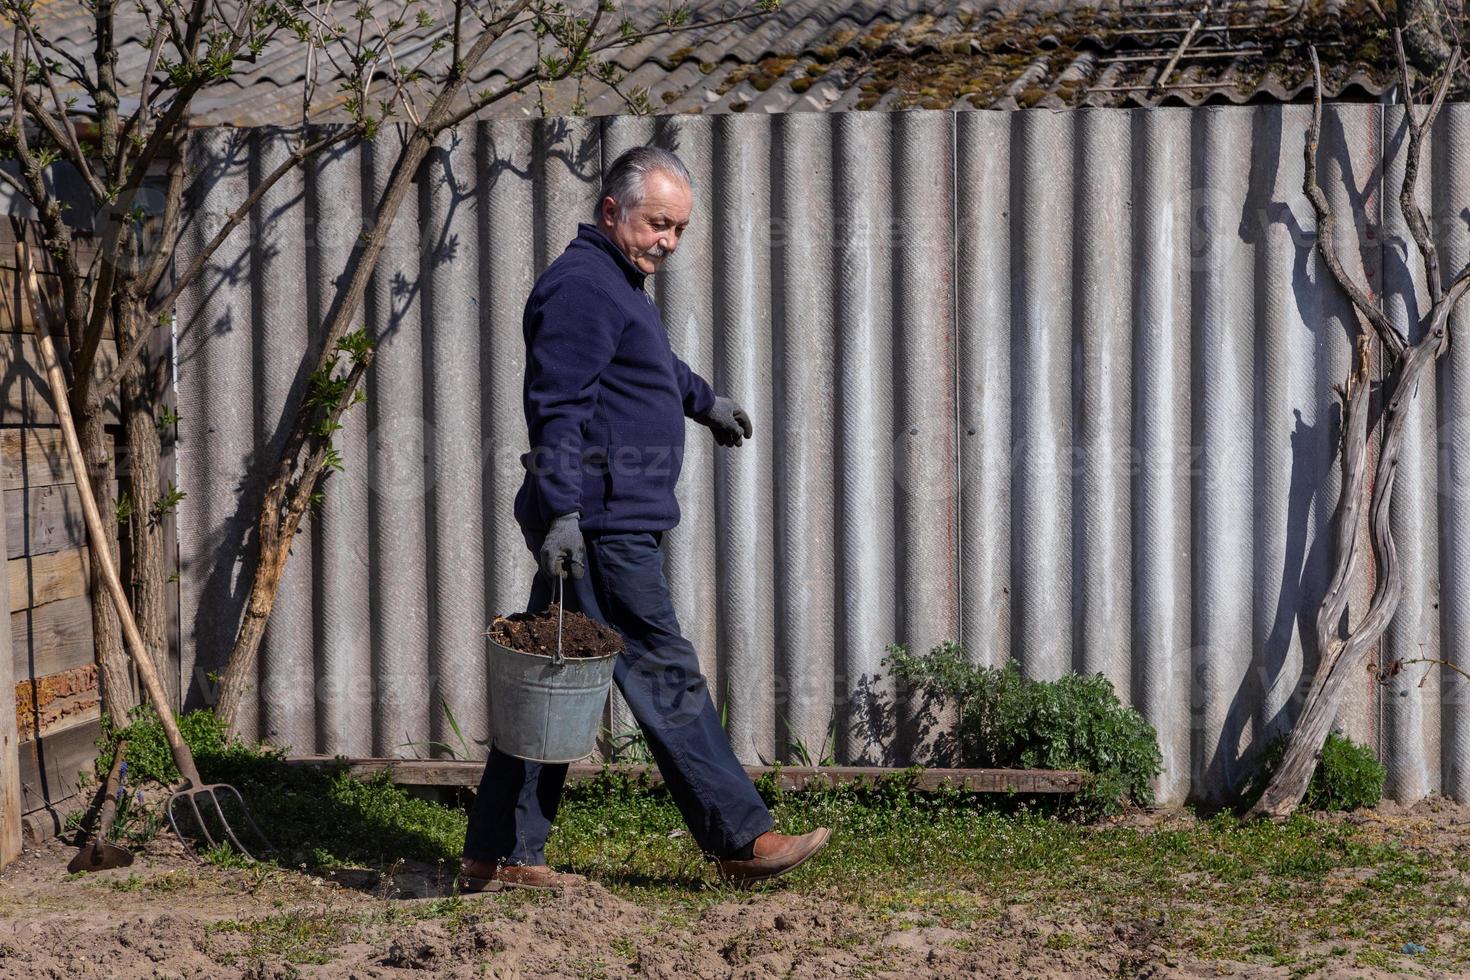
<point>820,55</point>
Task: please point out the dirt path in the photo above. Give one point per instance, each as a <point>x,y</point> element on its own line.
<point>168,916</point>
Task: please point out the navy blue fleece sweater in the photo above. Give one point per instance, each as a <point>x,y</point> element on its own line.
<point>605,396</point>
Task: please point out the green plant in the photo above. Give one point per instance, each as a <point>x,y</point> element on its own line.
<point>461,751</point>
<point>1347,777</point>
<point>801,754</point>
<point>148,756</point>
<point>1007,720</point>
<point>628,745</point>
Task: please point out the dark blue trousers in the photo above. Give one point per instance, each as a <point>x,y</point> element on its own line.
<point>658,673</point>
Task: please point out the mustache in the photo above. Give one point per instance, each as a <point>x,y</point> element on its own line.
<point>657,252</point>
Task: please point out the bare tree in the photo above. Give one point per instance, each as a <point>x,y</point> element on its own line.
<point>1405,365</point>
<point>190,46</point>
<point>359,62</point>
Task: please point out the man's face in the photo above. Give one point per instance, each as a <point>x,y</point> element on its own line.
<point>649,231</point>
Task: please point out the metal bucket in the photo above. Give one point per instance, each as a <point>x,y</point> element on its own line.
<point>546,709</point>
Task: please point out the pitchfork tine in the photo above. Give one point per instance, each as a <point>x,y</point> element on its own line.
<point>203,827</point>
<point>225,820</point>
<point>245,812</point>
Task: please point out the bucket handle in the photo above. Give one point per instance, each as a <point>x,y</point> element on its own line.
<point>561,611</point>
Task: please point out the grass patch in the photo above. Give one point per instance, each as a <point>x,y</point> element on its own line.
<point>1220,888</point>
<point>1254,892</point>
<point>295,937</point>
<point>317,817</point>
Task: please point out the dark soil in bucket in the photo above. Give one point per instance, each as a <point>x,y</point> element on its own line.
<point>581,636</point>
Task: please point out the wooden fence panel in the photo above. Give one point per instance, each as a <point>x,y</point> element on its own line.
<point>49,656</point>
<point>34,457</point>
<point>38,579</point>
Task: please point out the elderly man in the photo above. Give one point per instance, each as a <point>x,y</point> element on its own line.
<point>605,402</point>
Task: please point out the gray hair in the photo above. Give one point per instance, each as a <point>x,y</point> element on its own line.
<point>628,176</point>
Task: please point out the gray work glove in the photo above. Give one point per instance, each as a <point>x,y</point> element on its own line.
<point>728,422</point>
<point>564,544</point>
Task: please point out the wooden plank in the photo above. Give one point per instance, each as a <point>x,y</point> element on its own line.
<point>15,229</point>
<point>33,457</point>
<point>16,314</point>
<point>11,802</point>
<point>43,520</point>
<point>52,638</point>
<point>435,772</point>
<point>50,766</point>
<point>25,397</point>
<point>38,579</point>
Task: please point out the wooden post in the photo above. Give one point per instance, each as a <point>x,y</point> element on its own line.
<point>10,799</point>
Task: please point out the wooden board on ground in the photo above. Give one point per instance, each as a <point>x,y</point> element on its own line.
<point>51,638</point>
<point>433,772</point>
<point>38,579</point>
<point>34,457</point>
<point>49,766</point>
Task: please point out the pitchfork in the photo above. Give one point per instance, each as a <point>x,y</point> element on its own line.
<point>187,796</point>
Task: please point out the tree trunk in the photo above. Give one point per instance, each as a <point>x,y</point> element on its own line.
<point>114,683</point>
<point>239,678</point>
<point>145,529</point>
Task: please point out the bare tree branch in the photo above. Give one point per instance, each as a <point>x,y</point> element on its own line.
<point>488,98</point>
<point>57,125</point>
<point>1354,472</point>
<point>1398,665</point>
<point>61,125</point>
<point>301,458</point>
<point>59,130</point>
<point>1327,226</point>
<point>14,182</point>
<point>1408,199</point>
<point>146,94</point>
<point>168,231</point>
<point>48,209</point>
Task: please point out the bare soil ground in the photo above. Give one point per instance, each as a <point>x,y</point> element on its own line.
<point>170,915</point>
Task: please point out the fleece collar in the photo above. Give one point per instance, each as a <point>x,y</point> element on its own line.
<point>593,236</point>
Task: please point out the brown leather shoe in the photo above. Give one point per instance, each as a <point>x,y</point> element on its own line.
<point>773,854</point>
<point>485,876</point>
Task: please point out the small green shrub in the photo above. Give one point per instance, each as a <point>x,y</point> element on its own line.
<point>149,757</point>
<point>1009,721</point>
<point>1348,776</point>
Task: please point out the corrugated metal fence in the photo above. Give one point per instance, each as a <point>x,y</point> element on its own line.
<point>1055,384</point>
